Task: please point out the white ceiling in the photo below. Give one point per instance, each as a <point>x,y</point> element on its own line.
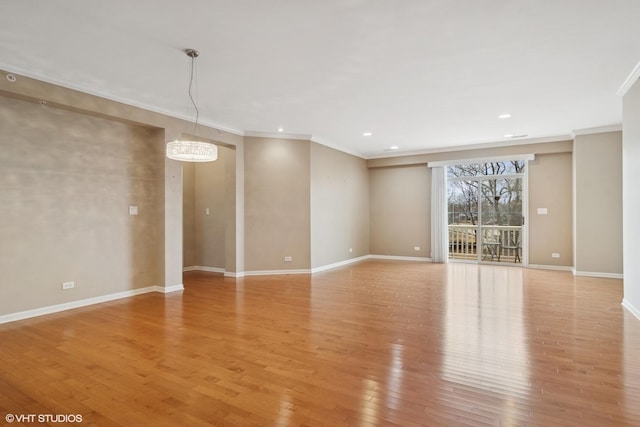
<point>419,74</point>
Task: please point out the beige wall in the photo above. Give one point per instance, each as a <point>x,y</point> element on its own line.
<point>209,238</point>
<point>188,214</point>
<point>67,181</point>
<point>210,192</point>
<point>400,199</point>
<point>597,161</point>
<point>285,186</point>
<point>631,192</point>
<point>277,204</point>
<point>475,153</point>
<point>233,212</point>
<point>339,206</point>
<point>550,187</point>
<point>171,254</point>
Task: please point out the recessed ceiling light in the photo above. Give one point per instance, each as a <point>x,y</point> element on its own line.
<point>367,133</point>
<point>508,135</point>
<point>504,116</point>
<point>393,147</point>
<point>280,129</point>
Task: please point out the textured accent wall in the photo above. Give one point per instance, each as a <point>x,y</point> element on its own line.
<point>188,214</point>
<point>339,206</point>
<point>66,182</point>
<point>209,239</point>
<point>210,194</point>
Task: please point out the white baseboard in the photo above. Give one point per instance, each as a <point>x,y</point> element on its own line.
<point>168,289</point>
<point>328,266</point>
<point>234,274</point>
<point>601,275</point>
<point>202,268</point>
<point>632,309</point>
<point>339,264</point>
<point>274,272</point>
<point>551,267</point>
<point>75,304</point>
<point>400,258</point>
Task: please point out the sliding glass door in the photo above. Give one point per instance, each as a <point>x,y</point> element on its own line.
<point>485,212</point>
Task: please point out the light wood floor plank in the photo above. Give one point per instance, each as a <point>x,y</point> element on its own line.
<point>375,343</point>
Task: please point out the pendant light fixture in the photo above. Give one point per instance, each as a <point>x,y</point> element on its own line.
<point>192,150</point>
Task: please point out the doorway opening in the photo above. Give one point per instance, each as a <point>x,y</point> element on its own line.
<point>485,212</point>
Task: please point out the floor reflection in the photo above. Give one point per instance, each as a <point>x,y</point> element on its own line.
<point>484,340</point>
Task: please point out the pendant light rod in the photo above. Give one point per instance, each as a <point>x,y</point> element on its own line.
<point>193,54</point>
<point>192,150</point>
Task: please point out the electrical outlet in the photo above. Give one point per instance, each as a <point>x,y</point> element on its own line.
<point>288,259</point>
<point>350,250</point>
<point>416,248</point>
<point>555,255</point>
<point>68,285</point>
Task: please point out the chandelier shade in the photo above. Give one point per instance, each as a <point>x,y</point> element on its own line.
<point>192,151</point>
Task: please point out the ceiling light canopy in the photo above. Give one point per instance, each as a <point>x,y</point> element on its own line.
<point>192,150</point>
<point>367,133</point>
<point>504,116</point>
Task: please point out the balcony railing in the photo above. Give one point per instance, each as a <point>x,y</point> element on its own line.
<point>496,243</point>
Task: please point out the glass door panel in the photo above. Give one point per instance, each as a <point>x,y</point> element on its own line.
<point>501,219</point>
<point>463,219</point>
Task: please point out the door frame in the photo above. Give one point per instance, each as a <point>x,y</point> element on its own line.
<point>524,251</point>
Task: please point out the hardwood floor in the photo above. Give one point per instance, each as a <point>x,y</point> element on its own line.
<point>376,343</point>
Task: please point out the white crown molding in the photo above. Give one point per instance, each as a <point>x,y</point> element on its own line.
<point>632,309</point>
<point>303,137</point>
<point>329,144</point>
<point>629,81</point>
<point>278,135</point>
<point>482,160</point>
<point>110,97</point>
<point>479,146</point>
<point>599,129</point>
